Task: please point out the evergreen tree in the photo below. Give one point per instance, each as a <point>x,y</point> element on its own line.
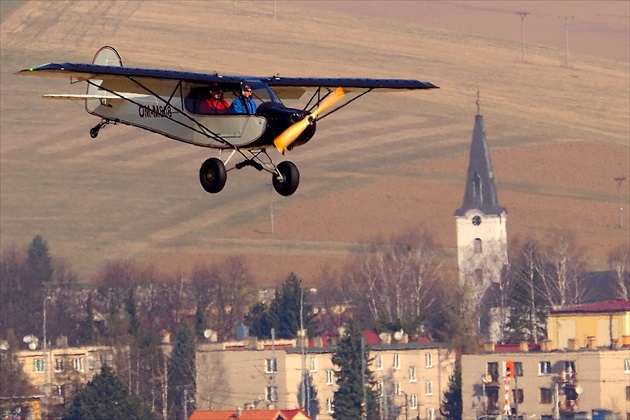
<point>131,308</point>
<point>452,403</point>
<point>258,320</point>
<point>86,333</point>
<point>348,399</point>
<point>181,374</point>
<point>106,398</point>
<point>39,261</point>
<point>289,309</point>
<point>200,321</point>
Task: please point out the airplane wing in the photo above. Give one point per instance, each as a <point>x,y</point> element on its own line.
<point>295,87</point>
<point>164,82</point>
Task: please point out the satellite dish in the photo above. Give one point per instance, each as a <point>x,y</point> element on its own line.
<point>579,389</point>
<point>32,345</point>
<point>398,335</point>
<point>207,333</point>
<point>383,336</point>
<point>28,338</point>
<point>4,345</point>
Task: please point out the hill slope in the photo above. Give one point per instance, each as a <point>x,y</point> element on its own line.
<point>558,137</point>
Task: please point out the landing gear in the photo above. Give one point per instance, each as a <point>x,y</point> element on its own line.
<point>286,178</point>
<point>95,130</point>
<point>212,175</point>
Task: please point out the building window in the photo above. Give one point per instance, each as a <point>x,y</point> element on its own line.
<point>397,389</point>
<point>430,413</point>
<point>397,361</point>
<point>39,365</point>
<point>312,364</point>
<point>478,249</point>
<point>428,360</point>
<point>626,366</point>
<point>330,377</point>
<point>58,365</point>
<point>428,388</point>
<point>518,368</point>
<point>330,407</point>
<point>519,393</point>
<point>545,395</point>
<point>413,402</point>
<point>492,398</point>
<point>90,359</point>
<point>544,368</point>
<point>58,390</point>
<point>379,388</point>
<point>628,393</point>
<point>77,364</point>
<point>271,393</point>
<point>493,371</point>
<point>271,365</point>
<point>412,374</point>
<point>378,362</point>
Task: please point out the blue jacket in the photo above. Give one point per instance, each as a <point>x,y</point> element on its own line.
<point>242,105</point>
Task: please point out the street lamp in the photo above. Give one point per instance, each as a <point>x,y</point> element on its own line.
<point>619,180</point>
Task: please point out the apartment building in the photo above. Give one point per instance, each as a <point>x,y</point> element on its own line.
<point>58,372</point>
<point>411,377</point>
<point>547,384</point>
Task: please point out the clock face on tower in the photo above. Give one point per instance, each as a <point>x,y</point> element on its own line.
<point>476,220</point>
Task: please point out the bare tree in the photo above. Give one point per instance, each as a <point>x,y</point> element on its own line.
<point>618,261</point>
<point>563,279</point>
<point>396,280</point>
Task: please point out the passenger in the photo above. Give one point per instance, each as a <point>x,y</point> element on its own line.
<point>244,104</point>
<point>214,103</point>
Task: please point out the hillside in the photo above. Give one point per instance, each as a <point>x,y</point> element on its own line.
<point>558,136</point>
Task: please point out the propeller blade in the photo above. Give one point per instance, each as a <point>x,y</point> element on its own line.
<point>289,135</point>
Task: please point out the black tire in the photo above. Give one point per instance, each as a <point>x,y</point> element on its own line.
<point>94,132</point>
<point>288,183</point>
<point>212,175</point>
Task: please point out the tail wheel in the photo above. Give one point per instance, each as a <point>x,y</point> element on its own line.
<point>287,182</point>
<point>212,175</point>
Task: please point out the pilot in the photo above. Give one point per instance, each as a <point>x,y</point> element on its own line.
<point>244,104</point>
<point>214,103</point>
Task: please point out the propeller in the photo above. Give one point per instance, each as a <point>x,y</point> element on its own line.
<point>289,135</point>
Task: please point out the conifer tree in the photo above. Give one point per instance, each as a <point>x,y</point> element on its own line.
<point>181,374</point>
<point>106,398</point>
<point>452,403</point>
<point>349,398</point>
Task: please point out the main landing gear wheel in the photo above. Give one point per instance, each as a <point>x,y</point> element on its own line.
<point>289,178</point>
<point>212,175</point>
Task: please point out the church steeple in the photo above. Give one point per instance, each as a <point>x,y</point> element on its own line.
<point>481,192</point>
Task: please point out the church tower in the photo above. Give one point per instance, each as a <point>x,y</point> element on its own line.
<point>481,221</point>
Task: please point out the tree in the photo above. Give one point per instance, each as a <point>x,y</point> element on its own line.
<point>39,261</point>
<point>13,380</point>
<point>393,282</point>
<point>452,403</point>
<point>353,372</point>
<point>86,328</point>
<point>618,261</point>
<point>286,314</point>
<point>105,397</point>
<point>181,374</point>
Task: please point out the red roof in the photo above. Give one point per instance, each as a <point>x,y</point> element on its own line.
<point>617,305</point>
<point>296,414</point>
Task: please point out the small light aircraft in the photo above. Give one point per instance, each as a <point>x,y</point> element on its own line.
<point>173,103</point>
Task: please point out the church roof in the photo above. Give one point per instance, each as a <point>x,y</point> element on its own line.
<point>481,192</point>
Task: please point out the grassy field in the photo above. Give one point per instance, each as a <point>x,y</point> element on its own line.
<point>558,136</point>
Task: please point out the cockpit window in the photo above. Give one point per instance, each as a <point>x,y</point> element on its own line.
<point>219,99</point>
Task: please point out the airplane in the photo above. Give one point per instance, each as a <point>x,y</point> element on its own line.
<point>172,103</point>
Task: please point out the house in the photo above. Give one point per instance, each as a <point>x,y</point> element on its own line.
<point>250,415</point>
<point>584,368</point>
<point>411,376</point>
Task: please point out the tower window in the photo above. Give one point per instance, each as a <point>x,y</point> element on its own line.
<point>477,187</point>
<point>477,246</point>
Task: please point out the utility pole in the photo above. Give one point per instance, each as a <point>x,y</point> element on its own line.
<point>619,180</point>
<point>566,39</point>
<point>522,15</point>
<point>365,407</point>
<point>47,367</point>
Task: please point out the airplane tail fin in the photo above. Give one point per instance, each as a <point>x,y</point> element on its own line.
<point>105,56</point>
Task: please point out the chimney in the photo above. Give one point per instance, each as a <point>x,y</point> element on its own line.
<point>545,345</point>
<point>625,340</point>
<point>523,346</point>
<point>591,342</point>
<point>318,341</point>
<point>573,344</point>
<point>488,347</point>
